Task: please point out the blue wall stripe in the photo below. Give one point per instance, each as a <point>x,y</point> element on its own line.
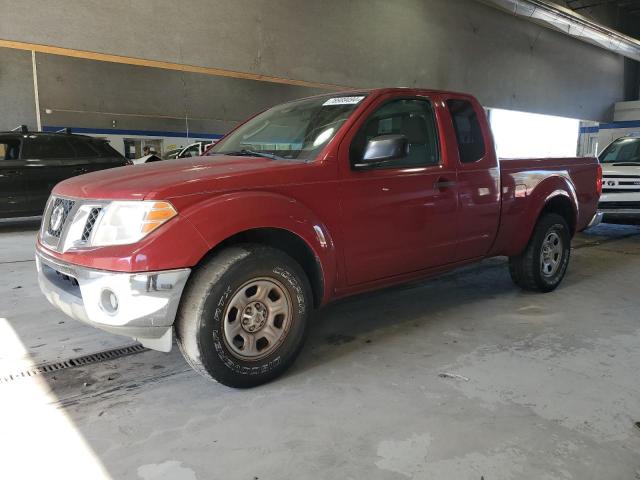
<point>148,133</point>
<point>612,126</point>
<point>625,124</point>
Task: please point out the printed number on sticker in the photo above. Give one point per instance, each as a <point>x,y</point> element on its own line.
<point>343,101</point>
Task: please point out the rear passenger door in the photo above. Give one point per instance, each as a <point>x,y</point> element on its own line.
<point>49,160</point>
<point>14,200</point>
<point>478,178</point>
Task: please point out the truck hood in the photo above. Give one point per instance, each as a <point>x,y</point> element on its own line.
<point>179,177</point>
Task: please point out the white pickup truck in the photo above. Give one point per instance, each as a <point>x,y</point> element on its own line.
<point>620,162</point>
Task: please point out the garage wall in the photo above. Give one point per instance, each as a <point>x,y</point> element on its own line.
<point>17,103</point>
<point>101,95</point>
<point>462,45</point>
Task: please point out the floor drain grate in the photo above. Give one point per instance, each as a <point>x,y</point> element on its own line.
<point>75,362</point>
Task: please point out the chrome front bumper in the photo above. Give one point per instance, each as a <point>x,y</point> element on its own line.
<point>139,305</point>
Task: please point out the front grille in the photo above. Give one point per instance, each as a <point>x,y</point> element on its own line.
<point>621,176</point>
<point>607,205</point>
<point>58,216</point>
<point>72,281</point>
<point>91,221</point>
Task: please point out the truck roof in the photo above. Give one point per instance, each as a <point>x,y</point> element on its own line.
<point>370,91</point>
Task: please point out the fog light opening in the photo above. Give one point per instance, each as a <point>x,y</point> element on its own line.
<point>109,301</point>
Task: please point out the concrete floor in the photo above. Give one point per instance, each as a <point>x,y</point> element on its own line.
<point>542,386</point>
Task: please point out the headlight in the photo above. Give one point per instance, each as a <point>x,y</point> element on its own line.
<point>128,222</point>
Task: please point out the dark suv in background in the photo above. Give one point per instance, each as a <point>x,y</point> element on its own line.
<point>32,163</point>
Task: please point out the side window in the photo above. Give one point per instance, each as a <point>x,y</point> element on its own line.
<point>412,118</point>
<point>47,148</point>
<point>468,131</point>
<point>9,149</point>
<point>104,149</point>
<point>82,147</point>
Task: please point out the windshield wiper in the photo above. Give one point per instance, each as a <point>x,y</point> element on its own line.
<point>248,153</point>
<point>625,164</point>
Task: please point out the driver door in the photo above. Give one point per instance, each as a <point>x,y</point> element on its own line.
<point>398,217</point>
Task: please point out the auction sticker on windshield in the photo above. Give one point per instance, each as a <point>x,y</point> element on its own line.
<point>343,101</point>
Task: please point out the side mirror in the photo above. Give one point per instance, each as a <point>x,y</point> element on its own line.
<point>384,148</point>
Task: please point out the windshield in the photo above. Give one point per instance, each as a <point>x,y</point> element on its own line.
<point>292,131</point>
<point>623,150</point>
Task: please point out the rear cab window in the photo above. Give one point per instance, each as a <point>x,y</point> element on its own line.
<point>471,145</point>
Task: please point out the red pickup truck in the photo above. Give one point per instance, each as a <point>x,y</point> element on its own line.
<point>304,203</point>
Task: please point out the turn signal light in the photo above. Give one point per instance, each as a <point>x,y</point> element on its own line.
<point>160,212</point>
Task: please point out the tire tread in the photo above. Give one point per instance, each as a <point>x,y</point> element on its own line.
<point>191,336</point>
<point>207,273</point>
<point>524,268</point>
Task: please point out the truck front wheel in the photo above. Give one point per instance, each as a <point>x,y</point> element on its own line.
<point>243,316</point>
<point>543,264</point>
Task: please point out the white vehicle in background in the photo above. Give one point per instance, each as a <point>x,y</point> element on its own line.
<point>153,157</point>
<point>192,150</point>
<point>620,200</point>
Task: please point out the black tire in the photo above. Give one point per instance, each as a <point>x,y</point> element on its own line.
<point>527,268</point>
<point>200,323</point>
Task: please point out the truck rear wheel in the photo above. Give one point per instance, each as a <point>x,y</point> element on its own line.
<point>543,264</point>
<point>242,320</point>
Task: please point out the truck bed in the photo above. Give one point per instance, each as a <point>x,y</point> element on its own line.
<point>527,184</point>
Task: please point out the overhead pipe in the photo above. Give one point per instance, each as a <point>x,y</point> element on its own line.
<point>571,23</point>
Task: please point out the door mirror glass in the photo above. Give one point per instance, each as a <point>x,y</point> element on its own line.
<point>384,148</point>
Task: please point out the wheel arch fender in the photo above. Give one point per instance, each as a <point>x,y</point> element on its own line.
<point>273,219</point>
<point>557,194</point>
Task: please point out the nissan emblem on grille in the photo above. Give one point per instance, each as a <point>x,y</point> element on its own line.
<point>60,210</point>
<point>56,218</point>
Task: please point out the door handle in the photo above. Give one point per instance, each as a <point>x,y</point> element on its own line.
<point>443,183</point>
